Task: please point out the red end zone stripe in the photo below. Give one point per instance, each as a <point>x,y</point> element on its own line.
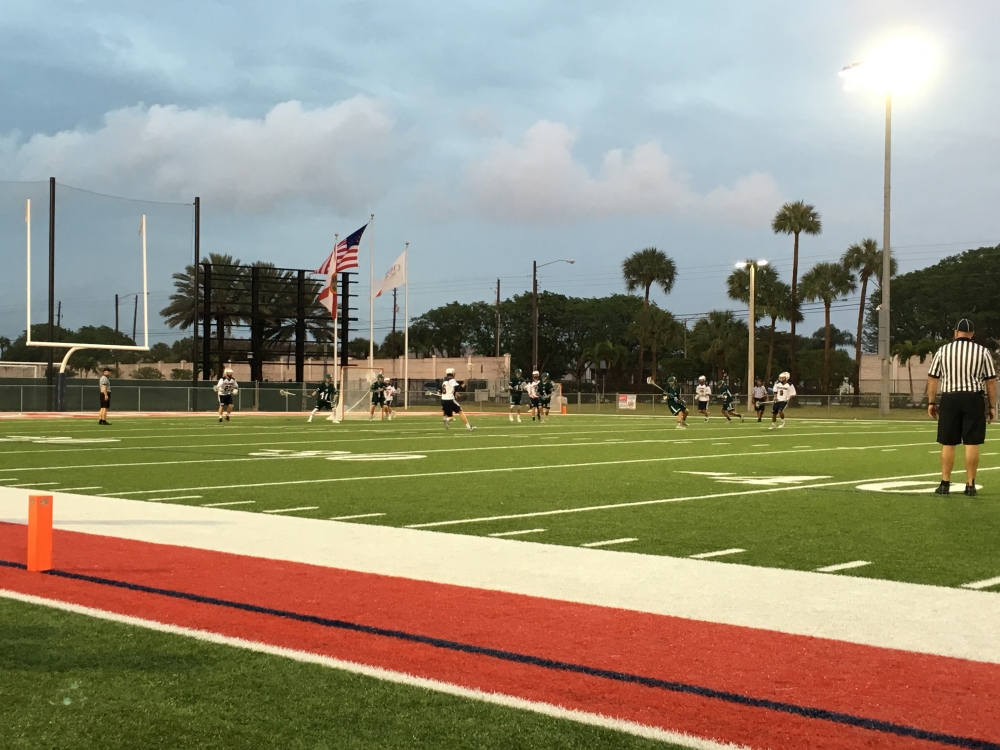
<point>936,694</point>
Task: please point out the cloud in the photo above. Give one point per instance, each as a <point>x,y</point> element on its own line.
<point>540,180</point>
<point>336,156</point>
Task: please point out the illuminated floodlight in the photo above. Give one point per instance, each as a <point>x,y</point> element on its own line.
<point>899,66</point>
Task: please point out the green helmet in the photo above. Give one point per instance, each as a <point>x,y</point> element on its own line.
<point>327,376</point>
<point>545,376</point>
<point>671,379</point>
<point>517,371</point>
<point>379,376</point>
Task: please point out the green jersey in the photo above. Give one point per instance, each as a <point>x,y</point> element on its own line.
<point>728,399</point>
<point>516,384</point>
<point>378,392</point>
<point>673,393</point>
<point>326,392</point>
<point>545,390</point>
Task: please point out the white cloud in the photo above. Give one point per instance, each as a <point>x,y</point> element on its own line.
<point>540,180</point>
<point>337,156</point>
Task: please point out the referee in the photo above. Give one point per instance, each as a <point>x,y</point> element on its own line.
<point>961,370</point>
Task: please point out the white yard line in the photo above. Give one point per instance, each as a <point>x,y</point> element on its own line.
<point>843,566</point>
<point>719,553</point>
<point>638,503</point>
<point>988,583</point>
<point>608,542</point>
<point>516,533</point>
<point>168,499</point>
<point>29,485</point>
<point>76,489</point>
<point>360,515</point>
<point>291,510</point>
<point>501,470</point>
<point>224,505</point>
<point>386,675</point>
<point>887,614</point>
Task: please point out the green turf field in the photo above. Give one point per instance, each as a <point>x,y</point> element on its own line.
<point>70,681</point>
<point>800,497</point>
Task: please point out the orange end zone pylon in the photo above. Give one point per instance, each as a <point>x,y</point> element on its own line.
<point>39,532</point>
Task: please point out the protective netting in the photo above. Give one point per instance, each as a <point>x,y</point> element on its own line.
<point>97,255</point>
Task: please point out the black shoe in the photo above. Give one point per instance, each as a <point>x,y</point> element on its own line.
<point>943,489</point>
<point>970,490</point>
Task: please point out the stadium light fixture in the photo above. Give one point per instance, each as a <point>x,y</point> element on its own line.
<point>897,67</point>
<point>535,265</point>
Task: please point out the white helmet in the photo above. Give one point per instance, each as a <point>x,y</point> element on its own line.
<point>450,371</point>
<point>228,371</point>
<point>701,378</point>
<point>534,372</point>
<point>784,376</point>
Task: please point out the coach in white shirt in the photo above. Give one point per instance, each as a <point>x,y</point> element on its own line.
<point>961,371</point>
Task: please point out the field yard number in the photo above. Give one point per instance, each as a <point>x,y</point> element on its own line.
<point>335,455</point>
<point>730,478</point>
<point>908,486</point>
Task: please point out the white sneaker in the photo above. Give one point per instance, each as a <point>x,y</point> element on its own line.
<point>512,418</point>
<point>310,418</point>
<point>519,420</point>
<point>771,427</point>
<point>781,424</point>
<point>471,428</point>
<point>679,426</point>
<point>446,423</point>
<point>706,419</point>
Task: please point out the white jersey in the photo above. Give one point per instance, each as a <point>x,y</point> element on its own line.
<point>448,387</point>
<point>532,388</point>
<point>783,391</point>
<point>389,392</point>
<point>703,392</point>
<point>226,386</point>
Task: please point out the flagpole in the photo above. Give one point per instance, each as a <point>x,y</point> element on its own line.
<point>406,326</point>
<point>371,300</point>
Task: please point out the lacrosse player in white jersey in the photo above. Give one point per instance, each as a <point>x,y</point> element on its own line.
<point>388,393</point>
<point>226,387</point>
<point>703,394</point>
<point>783,393</point>
<point>449,400</point>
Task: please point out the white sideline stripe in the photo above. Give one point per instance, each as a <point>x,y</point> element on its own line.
<point>361,515</point>
<point>636,503</point>
<point>223,505</point>
<point>516,533</point>
<point>606,542</point>
<point>888,450</point>
<point>429,450</point>
<point>386,675</point>
<point>29,485</point>
<point>76,489</point>
<point>706,555</point>
<point>502,470</point>
<point>168,499</point>
<point>292,510</point>
<point>843,566</point>
<point>988,583</point>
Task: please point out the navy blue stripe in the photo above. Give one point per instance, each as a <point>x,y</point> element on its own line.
<point>821,714</point>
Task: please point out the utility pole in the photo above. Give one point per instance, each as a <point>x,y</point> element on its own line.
<point>395,309</point>
<point>135,314</point>
<point>534,315</point>
<point>498,318</point>
<point>59,314</point>
<point>116,313</point>
<point>52,282</point>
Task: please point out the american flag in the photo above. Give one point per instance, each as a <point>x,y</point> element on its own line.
<point>344,256</point>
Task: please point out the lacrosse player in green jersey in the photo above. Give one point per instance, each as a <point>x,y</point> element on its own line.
<point>326,394</point>
<point>672,395</point>
<point>728,403</point>
<point>378,397</point>
<point>545,391</point>
<point>517,384</point>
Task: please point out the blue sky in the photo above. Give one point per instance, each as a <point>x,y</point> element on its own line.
<point>487,135</point>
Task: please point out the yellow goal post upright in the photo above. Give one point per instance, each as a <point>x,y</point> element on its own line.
<point>355,382</point>
<point>69,346</point>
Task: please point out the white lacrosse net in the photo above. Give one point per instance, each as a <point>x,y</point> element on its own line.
<point>355,390</point>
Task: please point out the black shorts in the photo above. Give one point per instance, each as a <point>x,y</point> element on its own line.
<point>378,399</point>
<point>676,407</point>
<point>225,400</point>
<point>324,405</point>
<point>534,403</point>
<point>703,406</point>
<point>962,419</point>
<point>105,400</point>
<point>450,408</point>
<point>728,406</point>
<point>779,408</point>
<point>758,404</point>
<point>546,403</point>
<point>515,398</point>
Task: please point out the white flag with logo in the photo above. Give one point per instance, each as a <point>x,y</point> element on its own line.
<point>395,276</point>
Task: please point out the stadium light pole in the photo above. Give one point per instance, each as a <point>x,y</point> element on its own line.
<point>534,306</point>
<point>899,66</point>
<point>751,266</point>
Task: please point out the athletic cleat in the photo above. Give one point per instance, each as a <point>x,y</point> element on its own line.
<point>310,418</point>
<point>771,427</point>
<point>758,419</point>
<point>679,426</point>
<point>220,420</point>
<point>446,423</point>
<point>471,428</point>
<point>227,417</point>
<point>519,420</point>
<point>512,418</point>
<point>970,490</point>
<point>943,489</point>
<point>781,424</point>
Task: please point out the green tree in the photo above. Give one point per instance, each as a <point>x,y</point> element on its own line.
<point>827,282</point>
<point>147,373</point>
<point>4,345</point>
<point>641,270</point>
<point>656,329</point>
<point>775,301</point>
<point>795,219</point>
<point>720,338</point>
<point>865,260</point>
<point>905,351</point>
<point>391,346</point>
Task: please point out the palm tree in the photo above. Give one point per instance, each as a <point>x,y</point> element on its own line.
<point>796,218</point>
<point>865,259</point>
<point>907,350</point>
<point>641,270</point>
<point>656,329</point>
<point>720,335</point>
<point>827,282</point>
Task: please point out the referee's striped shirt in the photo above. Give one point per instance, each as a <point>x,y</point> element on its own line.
<point>962,366</point>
